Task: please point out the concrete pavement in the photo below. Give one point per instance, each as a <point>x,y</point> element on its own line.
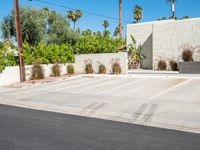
<point>162,102</point>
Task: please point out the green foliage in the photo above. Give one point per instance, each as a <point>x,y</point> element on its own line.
<point>56,70</point>
<point>70,69</point>
<point>1,59</point>
<point>97,43</point>
<point>162,65</point>
<point>48,54</point>
<point>37,72</point>
<point>39,25</point>
<point>7,57</point>
<point>134,53</point>
<point>116,68</point>
<point>102,69</point>
<point>89,69</point>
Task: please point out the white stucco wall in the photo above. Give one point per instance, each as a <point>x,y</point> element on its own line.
<point>170,36</point>
<point>11,74</point>
<point>106,59</point>
<point>167,37</point>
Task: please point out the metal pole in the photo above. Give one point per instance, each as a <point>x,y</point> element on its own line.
<point>173,8</point>
<point>19,41</point>
<point>120,19</point>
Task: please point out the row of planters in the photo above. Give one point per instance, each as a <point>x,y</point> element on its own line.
<point>116,69</point>
<point>187,65</point>
<point>38,73</point>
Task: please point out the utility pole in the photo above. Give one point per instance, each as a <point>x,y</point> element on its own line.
<point>173,8</point>
<point>19,41</point>
<point>120,18</point>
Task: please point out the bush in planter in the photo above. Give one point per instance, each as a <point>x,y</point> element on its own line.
<point>173,65</point>
<point>162,65</point>
<point>89,69</point>
<point>187,55</point>
<point>56,70</point>
<point>116,68</point>
<point>102,69</point>
<point>37,72</point>
<point>70,69</point>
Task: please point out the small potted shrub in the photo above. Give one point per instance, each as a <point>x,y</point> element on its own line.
<point>37,72</point>
<point>162,65</point>
<point>56,70</point>
<point>70,69</point>
<point>188,65</point>
<point>116,69</point>
<point>173,65</point>
<point>102,69</point>
<point>89,69</point>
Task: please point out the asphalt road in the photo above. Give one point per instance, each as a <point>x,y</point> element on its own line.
<point>25,129</point>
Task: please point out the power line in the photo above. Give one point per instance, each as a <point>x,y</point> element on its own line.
<point>70,8</point>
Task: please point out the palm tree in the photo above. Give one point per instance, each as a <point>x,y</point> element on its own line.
<point>105,24</point>
<point>74,16</point>
<point>138,13</point>
<point>120,18</point>
<point>172,7</point>
<point>78,14</point>
<point>116,32</point>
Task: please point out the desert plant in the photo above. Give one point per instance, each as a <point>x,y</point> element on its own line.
<point>102,69</point>
<point>187,55</point>
<point>70,69</point>
<point>88,68</point>
<point>162,65</point>
<point>173,65</point>
<point>116,69</point>
<point>37,72</point>
<point>56,70</point>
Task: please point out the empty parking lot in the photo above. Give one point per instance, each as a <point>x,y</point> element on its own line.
<point>170,103</point>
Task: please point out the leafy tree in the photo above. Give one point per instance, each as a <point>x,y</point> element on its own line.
<point>74,16</point>
<point>138,13</point>
<point>97,43</point>
<point>105,24</point>
<point>34,23</point>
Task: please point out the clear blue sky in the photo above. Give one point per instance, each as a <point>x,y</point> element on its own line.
<point>153,9</point>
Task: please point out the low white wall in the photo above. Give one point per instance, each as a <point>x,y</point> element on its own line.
<point>107,59</point>
<point>11,74</point>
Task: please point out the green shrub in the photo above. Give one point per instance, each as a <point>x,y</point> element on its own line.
<point>102,69</point>
<point>162,65</point>
<point>37,72</point>
<point>56,70</point>
<point>187,55</point>
<point>70,69</point>
<point>116,68</point>
<point>173,65</point>
<point>89,69</point>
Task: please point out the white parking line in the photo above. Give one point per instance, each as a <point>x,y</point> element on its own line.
<point>170,89</point>
<point>121,86</point>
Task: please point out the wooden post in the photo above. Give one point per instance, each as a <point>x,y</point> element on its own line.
<point>19,41</point>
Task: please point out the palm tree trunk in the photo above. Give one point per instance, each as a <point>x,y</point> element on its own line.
<point>74,25</point>
<point>120,18</point>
